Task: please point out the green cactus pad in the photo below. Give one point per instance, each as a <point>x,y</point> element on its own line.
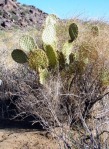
<point>61,59</point>
<point>51,19</point>
<point>49,32</point>
<point>27,43</point>
<point>43,75</point>
<point>38,59</point>
<point>73,31</point>
<point>67,50</point>
<point>52,56</point>
<point>19,56</point>
<point>71,58</point>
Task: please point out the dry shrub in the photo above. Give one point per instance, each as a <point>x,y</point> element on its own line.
<point>71,111</point>
<point>53,106</point>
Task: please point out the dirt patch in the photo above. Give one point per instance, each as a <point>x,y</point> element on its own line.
<point>26,139</point>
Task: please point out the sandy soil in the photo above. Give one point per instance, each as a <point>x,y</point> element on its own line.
<point>26,139</point>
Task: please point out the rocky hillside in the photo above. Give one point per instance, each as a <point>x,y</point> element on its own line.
<point>14,14</point>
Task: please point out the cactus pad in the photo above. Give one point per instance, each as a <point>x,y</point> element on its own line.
<point>67,50</point>
<point>37,59</point>
<point>61,59</point>
<point>71,58</point>
<point>43,75</point>
<point>49,32</point>
<point>19,56</point>
<point>52,56</point>
<point>27,43</point>
<point>73,31</point>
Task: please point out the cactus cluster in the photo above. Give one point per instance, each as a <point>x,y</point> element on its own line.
<point>50,58</point>
<point>31,54</point>
<point>68,46</point>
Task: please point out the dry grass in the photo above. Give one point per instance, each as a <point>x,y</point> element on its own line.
<point>101,42</point>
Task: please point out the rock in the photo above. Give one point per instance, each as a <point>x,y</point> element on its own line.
<point>6,24</point>
<point>3,24</point>
<point>3,2</point>
<point>21,15</point>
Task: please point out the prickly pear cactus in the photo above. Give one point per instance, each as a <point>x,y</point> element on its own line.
<point>73,31</point>
<point>19,56</point>
<point>61,60</point>
<point>38,59</point>
<point>43,75</point>
<point>49,58</point>
<point>68,46</point>
<point>67,50</point>
<point>72,57</point>
<point>49,32</point>
<point>52,56</point>
<point>27,43</point>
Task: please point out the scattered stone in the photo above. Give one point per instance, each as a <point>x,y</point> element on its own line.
<point>13,13</point>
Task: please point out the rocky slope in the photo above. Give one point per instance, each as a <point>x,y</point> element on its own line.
<point>14,14</point>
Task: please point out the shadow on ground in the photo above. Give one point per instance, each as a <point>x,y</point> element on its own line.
<point>12,124</point>
<point>8,110</point>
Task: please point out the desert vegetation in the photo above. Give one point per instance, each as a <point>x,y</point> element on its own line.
<point>59,81</point>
